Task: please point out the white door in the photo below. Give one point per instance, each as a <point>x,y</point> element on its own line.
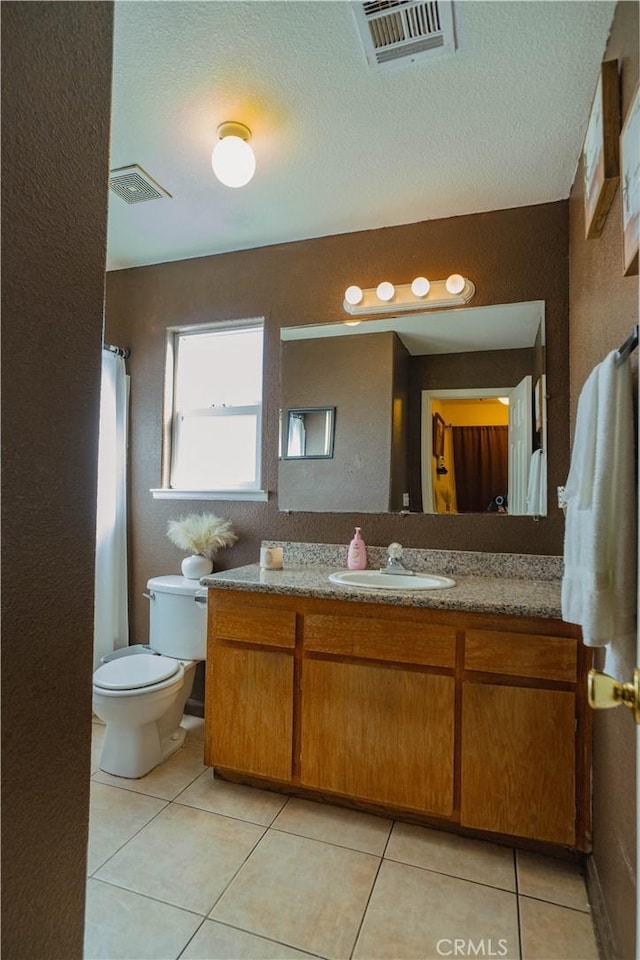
<point>520,444</point>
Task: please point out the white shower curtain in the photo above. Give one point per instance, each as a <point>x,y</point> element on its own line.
<point>111,618</point>
<point>297,436</point>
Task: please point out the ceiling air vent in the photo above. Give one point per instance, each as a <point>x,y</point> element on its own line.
<point>398,33</point>
<point>134,185</point>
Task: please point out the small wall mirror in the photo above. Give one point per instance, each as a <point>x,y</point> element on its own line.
<point>310,433</point>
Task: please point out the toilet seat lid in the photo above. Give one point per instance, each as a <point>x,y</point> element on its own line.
<point>130,673</point>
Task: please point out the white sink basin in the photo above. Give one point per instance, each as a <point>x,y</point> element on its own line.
<point>375,580</point>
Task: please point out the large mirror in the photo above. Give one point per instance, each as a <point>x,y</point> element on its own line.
<point>441,412</point>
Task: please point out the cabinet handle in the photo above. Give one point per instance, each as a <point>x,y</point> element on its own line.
<point>604,691</point>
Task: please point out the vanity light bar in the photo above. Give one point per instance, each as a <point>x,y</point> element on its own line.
<point>438,295</point>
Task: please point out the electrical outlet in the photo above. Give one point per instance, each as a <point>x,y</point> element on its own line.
<point>560,497</point>
<point>405,499</point>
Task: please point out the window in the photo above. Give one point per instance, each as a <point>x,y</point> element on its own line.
<point>213,410</point>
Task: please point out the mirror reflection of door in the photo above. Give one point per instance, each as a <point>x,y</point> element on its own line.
<point>481,462</point>
<point>520,444</point>
<point>471,475</point>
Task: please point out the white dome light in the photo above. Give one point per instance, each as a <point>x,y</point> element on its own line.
<point>353,295</point>
<point>385,291</point>
<point>420,287</point>
<point>504,400</point>
<point>455,283</point>
<point>233,160</point>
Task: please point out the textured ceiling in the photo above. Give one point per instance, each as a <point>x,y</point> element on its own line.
<point>339,147</point>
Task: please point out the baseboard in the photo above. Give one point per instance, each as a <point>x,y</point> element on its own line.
<point>601,922</point>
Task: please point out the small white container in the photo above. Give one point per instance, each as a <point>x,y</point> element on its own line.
<point>271,558</point>
<point>196,566</point>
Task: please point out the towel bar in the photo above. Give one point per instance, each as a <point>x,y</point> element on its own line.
<point>628,346</point>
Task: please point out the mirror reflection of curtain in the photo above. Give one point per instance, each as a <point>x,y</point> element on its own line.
<point>444,484</point>
<point>297,438</point>
<point>481,455</point>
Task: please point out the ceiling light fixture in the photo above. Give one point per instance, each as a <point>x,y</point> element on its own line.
<point>421,294</point>
<point>233,160</point>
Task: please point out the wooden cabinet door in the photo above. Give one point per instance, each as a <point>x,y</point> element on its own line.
<point>250,710</point>
<point>378,733</point>
<point>518,761</point>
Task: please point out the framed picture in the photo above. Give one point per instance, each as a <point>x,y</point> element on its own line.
<point>600,154</point>
<point>630,172</point>
<point>438,435</point>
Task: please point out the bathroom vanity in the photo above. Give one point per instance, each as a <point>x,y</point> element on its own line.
<point>452,707</point>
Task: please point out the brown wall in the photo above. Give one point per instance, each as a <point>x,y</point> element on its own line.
<point>484,368</point>
<point>603,308</point>
<point>56,93</point>
<point>511,255</point>
<point>354,375</point>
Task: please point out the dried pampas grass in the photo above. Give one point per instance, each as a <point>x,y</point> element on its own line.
<point>201,533</point>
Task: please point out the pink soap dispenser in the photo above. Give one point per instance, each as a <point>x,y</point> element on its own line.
<point>357,556</point>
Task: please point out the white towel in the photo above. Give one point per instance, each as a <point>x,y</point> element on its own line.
<point>537,489</point>
<point>599,584</point>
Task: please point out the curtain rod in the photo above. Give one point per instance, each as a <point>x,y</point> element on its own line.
<point>123,352</point>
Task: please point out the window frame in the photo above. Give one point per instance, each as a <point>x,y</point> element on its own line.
<point>170,429</point>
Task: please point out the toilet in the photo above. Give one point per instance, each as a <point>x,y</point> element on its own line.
<point>140,692</point>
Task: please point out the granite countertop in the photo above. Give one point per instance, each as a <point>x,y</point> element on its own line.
<point>473,593</point>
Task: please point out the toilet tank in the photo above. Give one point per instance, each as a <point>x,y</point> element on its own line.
<point>178,617</point>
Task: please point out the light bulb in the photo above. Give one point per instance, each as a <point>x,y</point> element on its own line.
<point>233,160</point>
<point>353,295</point>
<point>504,400</point>
<point>455,283</point>
<point>385,291</point>
<point>420,287</point>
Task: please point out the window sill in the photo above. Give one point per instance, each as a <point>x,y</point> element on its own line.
<point>161,493</point>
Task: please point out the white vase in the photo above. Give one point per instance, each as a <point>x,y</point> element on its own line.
<point>196,566</point>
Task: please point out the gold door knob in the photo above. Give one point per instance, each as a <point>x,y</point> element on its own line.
<point>605,691</point>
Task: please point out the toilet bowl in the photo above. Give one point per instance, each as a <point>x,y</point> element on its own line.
<point>141,697</point>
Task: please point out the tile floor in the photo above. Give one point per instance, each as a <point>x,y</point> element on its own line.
<point>183,865</point>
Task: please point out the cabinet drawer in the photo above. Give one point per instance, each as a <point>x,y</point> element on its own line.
<point>252,624</point>
<point>401,641</point>
<point>521,655</point>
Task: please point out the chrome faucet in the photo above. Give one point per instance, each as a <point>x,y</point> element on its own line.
<point>394,561</point>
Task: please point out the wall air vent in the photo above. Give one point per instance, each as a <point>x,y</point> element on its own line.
<point>399,33</point>
<point>134,185</point>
